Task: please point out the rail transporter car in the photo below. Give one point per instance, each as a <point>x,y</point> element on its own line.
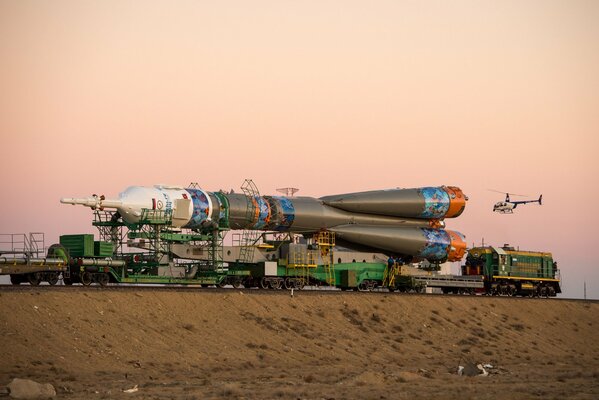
<point>145,253</point>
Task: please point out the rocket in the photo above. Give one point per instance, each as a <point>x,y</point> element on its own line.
<point>399,222</point>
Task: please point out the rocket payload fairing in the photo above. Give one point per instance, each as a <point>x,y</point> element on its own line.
<point>399,222</point>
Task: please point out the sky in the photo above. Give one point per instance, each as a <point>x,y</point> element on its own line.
<point>326,96</point>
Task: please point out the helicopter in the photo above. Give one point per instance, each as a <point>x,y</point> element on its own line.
<point>508,206</point>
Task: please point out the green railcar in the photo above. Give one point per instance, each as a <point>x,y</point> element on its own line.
<point>508,271</point>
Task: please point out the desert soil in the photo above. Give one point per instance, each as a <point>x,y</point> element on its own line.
<point>93,344</point>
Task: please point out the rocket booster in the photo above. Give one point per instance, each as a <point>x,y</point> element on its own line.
<point>399,221</point>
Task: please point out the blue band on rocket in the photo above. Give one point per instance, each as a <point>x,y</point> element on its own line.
<point>200,208</point>
<point>288,213</point>
<point>263,213</point>
<point>437,243</point>
<point>436,202</point>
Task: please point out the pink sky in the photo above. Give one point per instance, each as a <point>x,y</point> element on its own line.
<point>327,96</point>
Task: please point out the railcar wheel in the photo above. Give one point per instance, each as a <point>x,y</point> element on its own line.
<point>289,284</point>
<point>53,278</point>
<point>263,283</point>
<point>86,278</point>
<point>102,279</point>
<point>236,283</point>
<point>275,284</point>
<point>15,279</point>
<point>34,278</point>
<point>67,281</point>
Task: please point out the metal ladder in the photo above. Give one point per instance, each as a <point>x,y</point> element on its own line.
<point>249,237</point>
<point>326,241</point>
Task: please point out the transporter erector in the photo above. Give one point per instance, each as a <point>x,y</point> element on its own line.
<point>358,241</point>
<point>404,223</point>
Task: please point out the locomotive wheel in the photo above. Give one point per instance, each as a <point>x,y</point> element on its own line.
<point>86,278</point>
<point>289,284</point>
<point>275,284</point>
<point>236,284</point>
<point>263,283</point>
<point>15,279</point>
<point>67,281</point>
<point>52,278</point>
<point>102,279</point>
<point>34,278</point>
<point>222,283</point>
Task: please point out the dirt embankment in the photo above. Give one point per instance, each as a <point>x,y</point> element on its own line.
<point>186,345</point>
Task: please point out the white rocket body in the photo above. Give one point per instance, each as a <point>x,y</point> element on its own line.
<point>159,197</point>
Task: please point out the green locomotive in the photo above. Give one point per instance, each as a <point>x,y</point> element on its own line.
<point>507,271</point>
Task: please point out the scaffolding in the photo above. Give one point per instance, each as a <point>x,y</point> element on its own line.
<point>149,229</point>
<point>216,237</point>
<point>300,262</point>
<point>110,229</point>
<point>390,274</point>
<point>215,250</point>
<point>249,237</point>
<point>325,241</point>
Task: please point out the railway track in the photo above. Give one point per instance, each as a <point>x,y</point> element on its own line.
<point>310,291</point>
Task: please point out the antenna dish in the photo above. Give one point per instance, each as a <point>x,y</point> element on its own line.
<point>288,191</point>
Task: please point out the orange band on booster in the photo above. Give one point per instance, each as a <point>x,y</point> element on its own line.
<point>457,246</point>
<point>457,201</point>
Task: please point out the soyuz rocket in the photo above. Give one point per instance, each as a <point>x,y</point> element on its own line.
<point>398,222</point>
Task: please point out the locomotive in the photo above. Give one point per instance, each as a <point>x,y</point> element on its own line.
<point>511,272</point>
